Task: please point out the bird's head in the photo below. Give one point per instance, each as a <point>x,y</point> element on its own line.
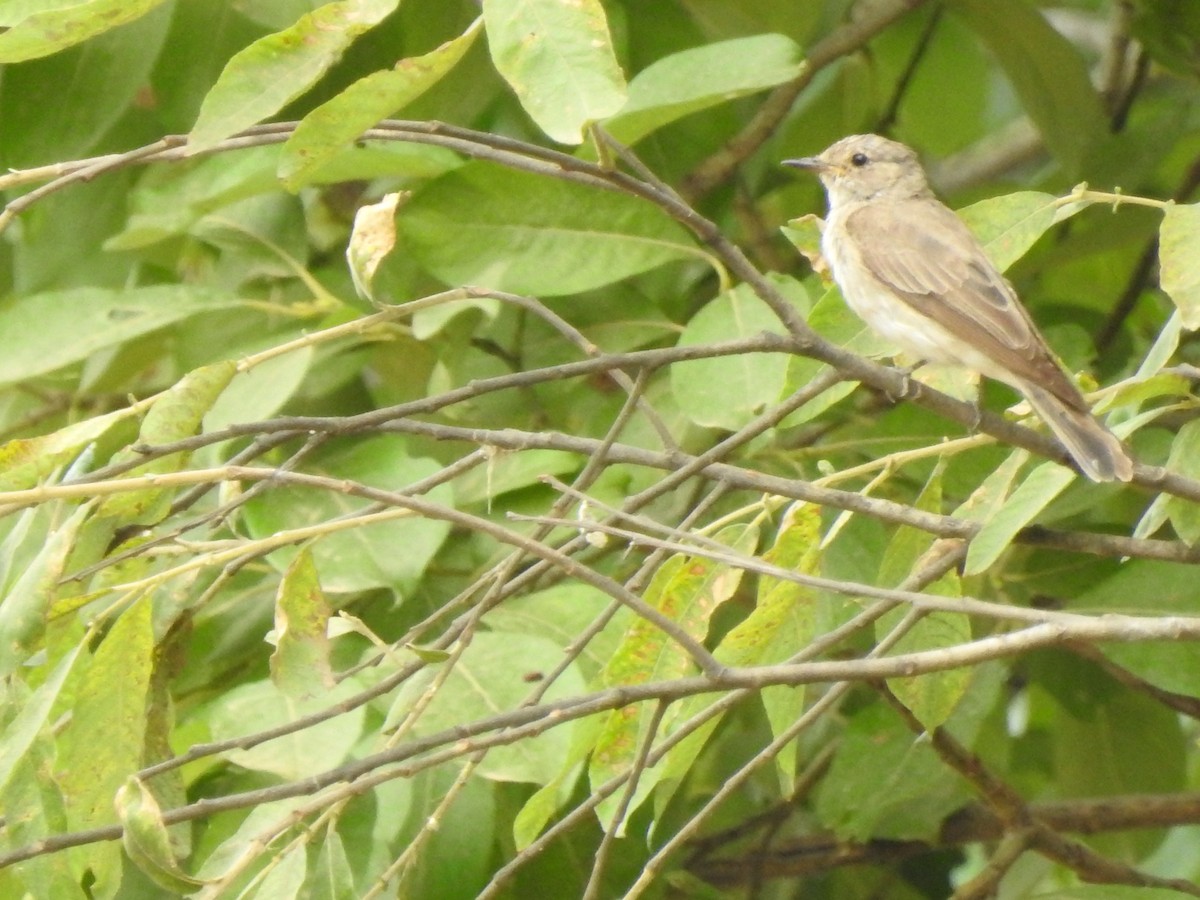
<point>865,166</point>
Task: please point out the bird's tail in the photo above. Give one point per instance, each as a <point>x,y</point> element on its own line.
<point>1093,447</point>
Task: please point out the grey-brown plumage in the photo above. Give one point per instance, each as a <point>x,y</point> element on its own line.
<point>914,272</point>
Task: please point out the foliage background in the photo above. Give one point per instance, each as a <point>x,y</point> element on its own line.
<point>592,555</point>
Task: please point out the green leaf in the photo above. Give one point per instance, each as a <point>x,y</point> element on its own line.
<point>332,877</point>
<point>1185,460</point>
<point>1047,72</point>
<point>337,123</point>
<point>561,614</point>
<point>261,391</point>
<point>509,471</point>
<point>1044,483</point>
<point>361,557</point>
<point>696,79</point>
<point>831,318</point>
<point>1153,518</point>
<point>529,234</point>
<point>885,783</point>
<point>460,851</point>
<point>145,838</point>
<point>1164,347</point>
<point>45,332</point>
<point>47,31</point>
<point>34,716</point>
<point>1145,587</point>
<point>908,544</point>
<point>728,391</point>
<point>433,320</point>
<point>1179,260</point>
<point>558,59</point>
<point>933,696</point>
<point>63,105</point>
<point>1111,892</point>
<point>687,590</point>
<point>276,69</point>
<point>1010,224</point>
<point>27,599</point>
<point>258,705</point>
<point>495,672</point>
<point>1165,664</point>
<point>782,623</point>
<point>238,841</point>
<point>1170,33</point>
<point>428,655</point>
<point>174,416</point>
<point>546,800</point>
<point>169,202</point>
<point>1133,741</point>
<point>805,233</point>
<point>981,506</point>
<point>33,808</point>
<point>178,412</point>
<point>286,878</point>
<point>300,664</point>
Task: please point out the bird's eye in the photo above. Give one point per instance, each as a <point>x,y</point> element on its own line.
<point>859,160</point>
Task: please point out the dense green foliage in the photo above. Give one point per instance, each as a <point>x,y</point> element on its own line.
<point>555,530</point>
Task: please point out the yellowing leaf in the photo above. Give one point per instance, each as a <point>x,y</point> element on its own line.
<point>300,664</point>
<point>26,461</point>
<point>373,237</point>
<point>687,590</point>
<point>106,736</point>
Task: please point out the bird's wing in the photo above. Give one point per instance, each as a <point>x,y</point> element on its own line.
<point>942,272</point>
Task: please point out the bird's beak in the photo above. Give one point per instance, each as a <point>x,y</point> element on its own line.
<point>811,163</point>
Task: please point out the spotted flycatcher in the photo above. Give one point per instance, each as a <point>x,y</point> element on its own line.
<point>911,269</point>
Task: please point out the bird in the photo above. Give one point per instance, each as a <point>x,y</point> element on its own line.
<point>908,266</point>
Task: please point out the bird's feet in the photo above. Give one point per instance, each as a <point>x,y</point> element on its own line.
<point>908,387</point>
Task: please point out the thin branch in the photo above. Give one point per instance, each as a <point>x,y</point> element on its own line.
<point>616,822</point>
<point>888,118</point>
<point>974,824</point>
<point>1144,269</point>
<point>507,727</point>
<point>804,341</point>
<point>1017,818</point>
<point>813,714</point>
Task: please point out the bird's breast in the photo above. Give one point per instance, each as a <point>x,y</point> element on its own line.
<point>888,315</point>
